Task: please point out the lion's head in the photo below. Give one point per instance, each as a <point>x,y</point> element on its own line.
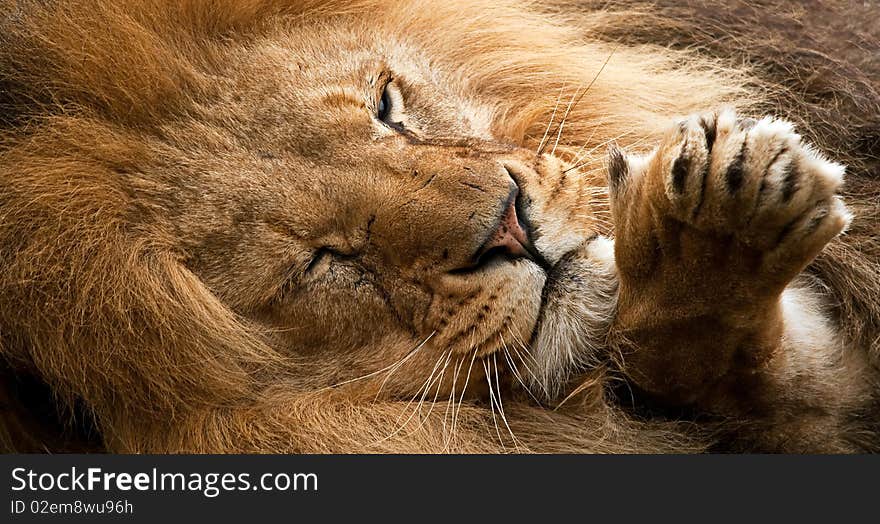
<point>200,200</point>
<point>354,202</point>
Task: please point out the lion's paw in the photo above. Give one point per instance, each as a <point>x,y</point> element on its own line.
<point>717,180</point>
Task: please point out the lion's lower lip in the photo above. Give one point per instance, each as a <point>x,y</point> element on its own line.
<point>494,261</point>
<point>551,277</point>
<point>552,273</point>
<point>489,261</point>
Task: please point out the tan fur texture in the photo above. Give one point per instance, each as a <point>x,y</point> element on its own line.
<point>210,242</point>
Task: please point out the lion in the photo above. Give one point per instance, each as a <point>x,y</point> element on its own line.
<point>349,226</point>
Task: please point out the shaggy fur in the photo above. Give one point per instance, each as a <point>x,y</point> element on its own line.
<point>209,245</point>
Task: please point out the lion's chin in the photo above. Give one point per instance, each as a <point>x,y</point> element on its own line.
<point>578,304</point>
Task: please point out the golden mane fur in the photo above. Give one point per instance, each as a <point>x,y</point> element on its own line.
<point>97,308</point>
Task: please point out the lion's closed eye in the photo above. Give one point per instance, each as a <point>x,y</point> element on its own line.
<point>319,264</point>
<point>325,260</point>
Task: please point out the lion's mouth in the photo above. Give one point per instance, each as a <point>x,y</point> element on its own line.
<point>509,239</point>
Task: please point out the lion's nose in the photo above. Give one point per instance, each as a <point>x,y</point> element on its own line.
<point>508,239</point>
<point>510,235</point>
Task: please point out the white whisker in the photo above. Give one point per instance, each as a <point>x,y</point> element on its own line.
<point>422,392</point>
<point>564,118</point>
<point>501,405</point>
<point>492,402</point>
<point>516,374</point>
<point>513,367</point>
<point>439,382</point>
<point>386,368</point>
<point>451,403</point>
<point>580,97</point>
<point>467,379</point>
<point>550,123</point>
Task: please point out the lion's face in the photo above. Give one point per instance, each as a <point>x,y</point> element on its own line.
<point>354,205</point>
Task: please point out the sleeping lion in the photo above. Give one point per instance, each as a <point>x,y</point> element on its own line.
<point>465,226</point>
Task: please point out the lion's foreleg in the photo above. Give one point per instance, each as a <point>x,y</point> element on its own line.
<point>711,229</point>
